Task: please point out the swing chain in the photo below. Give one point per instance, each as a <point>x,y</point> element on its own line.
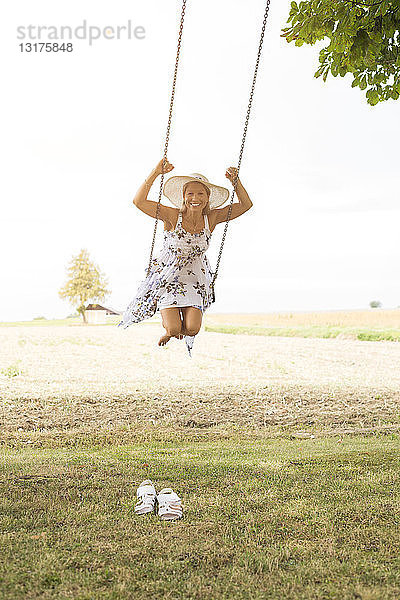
<point>242,145</point>
<point>171,106</point>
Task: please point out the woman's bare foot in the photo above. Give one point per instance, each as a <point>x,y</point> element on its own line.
<point>164,339</point>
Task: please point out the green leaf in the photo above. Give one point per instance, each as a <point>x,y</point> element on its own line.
<point>373,97</point>
<point>373,102</point>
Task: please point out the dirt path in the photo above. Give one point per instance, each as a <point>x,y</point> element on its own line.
<point>97,376</point>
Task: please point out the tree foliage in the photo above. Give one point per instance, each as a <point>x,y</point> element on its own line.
<point>363,37</point>
<point>85,282</point>
<point>375,304</point>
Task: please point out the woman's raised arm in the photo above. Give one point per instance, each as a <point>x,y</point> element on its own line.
<point>148,206</point>
<point>219,215</point>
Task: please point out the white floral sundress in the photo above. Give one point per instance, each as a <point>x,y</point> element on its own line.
<point>179,276</point>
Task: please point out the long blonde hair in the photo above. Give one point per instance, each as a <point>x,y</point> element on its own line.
<point>206,209</point>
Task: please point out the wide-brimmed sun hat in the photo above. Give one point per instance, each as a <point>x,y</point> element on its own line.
<point>173,189</point>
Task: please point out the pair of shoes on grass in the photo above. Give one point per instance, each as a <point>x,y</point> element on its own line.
<point>169,504</point>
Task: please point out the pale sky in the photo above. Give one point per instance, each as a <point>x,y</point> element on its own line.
<point>82,130</point>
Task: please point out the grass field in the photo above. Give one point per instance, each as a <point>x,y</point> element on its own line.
<point>285,451</point>
<point>263,518</point>
<point>372,325</point>
<point>373,318</point>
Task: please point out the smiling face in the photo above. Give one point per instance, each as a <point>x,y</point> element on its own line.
<point>196,197</point>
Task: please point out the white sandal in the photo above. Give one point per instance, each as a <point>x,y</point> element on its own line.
<point>146,493</point>
<point>189,341</point>
<point>169,505</point>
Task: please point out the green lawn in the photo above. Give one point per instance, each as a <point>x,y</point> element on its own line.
<point>264,518</point>
<point>357,333</point>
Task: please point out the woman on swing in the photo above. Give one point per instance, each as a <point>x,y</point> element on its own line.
<point>179,280</point>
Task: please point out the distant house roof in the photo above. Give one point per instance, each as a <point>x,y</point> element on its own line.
<point>110,311</point>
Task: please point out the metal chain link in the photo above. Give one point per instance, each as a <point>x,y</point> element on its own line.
<point>171,106</point>
<point>243,142</point>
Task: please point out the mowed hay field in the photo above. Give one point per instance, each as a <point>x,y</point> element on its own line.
<point>284,450</point>
<point>72,377</point>
<point>369,325</point>
<point>373,318</point>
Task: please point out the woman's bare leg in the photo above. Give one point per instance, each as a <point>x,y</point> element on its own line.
<point>192,318</point>
<point>171,320</point>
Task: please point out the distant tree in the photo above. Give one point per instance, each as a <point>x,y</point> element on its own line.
<point>85,282</point>
<point>363,40</point>
<point>375,304</point>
